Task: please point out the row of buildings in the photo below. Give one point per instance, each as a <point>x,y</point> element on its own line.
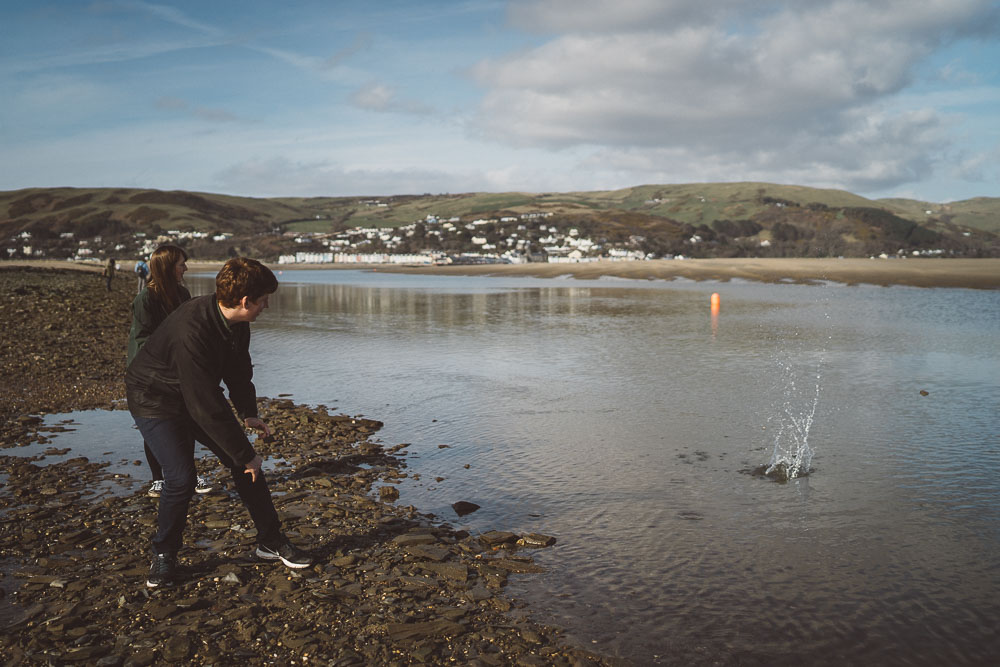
<point>509,240</point>
<point>96,247</point>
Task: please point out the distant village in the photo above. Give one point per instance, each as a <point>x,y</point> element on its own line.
<point>96,248</point>
<point>433,240</point>
<point>505,240</point>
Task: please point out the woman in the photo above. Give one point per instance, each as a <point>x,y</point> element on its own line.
<point>161,296</point>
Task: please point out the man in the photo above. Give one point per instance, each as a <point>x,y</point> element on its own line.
<point>175,397</point>
<point>109,272</point>
<point>142,272</point>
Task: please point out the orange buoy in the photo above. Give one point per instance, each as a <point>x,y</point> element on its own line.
<point>715,303</point>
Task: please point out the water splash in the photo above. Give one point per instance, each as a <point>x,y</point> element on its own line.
<point>792,454</point>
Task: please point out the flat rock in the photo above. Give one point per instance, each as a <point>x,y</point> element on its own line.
<point>494,537</point>
<point>428,552</point>
<point>424,629</point>
<point>411,539</point>
<point>454,571</point>
<point>141,658</point>
<point>344,561</point>
<point>536,540</point>
<point>85,653</point>
<point>478,593</point>
<point>517,566</point>
<point>177,648</point>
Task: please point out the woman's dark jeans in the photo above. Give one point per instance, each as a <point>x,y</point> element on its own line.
<point>172,441</point>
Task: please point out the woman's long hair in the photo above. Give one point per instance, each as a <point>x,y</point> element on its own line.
<point>163,283</point>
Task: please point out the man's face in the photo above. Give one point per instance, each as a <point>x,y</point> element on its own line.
<point>255,308</point>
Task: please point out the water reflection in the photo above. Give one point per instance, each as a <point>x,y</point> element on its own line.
<point>618,419</point>
<point>349,307</point>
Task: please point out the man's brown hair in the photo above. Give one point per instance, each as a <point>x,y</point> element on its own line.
<point>243,277</point>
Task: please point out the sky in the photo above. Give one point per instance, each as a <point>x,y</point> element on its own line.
<point>883,98</point>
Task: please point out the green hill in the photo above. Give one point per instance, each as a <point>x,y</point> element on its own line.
<point>978,213</point>
<point>97,210</point>
<point>695,203</point>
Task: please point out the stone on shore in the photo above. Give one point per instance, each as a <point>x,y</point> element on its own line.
<point>536,540</point>
<point>494,538</point>
<point>463,507</point>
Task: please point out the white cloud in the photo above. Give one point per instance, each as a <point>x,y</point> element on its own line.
<point>979,166</point>
<point>380,97</point>
<point>860,159</point>
<point>174,16</point>
<point>601,16</point>
<point>796,91</point>
<point>109,53</point>
<point>288,177</point>
<point>322,67</point>
<point>213,115</point>
<point>869,95</point>
<point>362,42</point>
<point>375,97</point>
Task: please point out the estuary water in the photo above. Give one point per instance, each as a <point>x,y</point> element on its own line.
<point>622,417</point>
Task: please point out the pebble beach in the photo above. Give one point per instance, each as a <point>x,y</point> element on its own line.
<point>391,586</point>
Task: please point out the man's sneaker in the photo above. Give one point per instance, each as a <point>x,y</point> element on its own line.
<point>202,485</point>
<point>162,571</point>
<point>155,489</point>
<point>287,553</point>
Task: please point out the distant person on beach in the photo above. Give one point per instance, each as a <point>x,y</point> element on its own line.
<point>109,271</point>
<point>142,273</point>
<point>174,395</point>
<point>155,301</point>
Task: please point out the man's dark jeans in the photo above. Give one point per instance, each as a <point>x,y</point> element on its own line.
<point>172,441</point>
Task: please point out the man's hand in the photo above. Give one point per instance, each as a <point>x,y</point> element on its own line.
<point>258,425</point>
<point>253,466</point>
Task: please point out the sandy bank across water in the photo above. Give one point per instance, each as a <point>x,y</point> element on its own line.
<point>962,273</point>
<point>915,272</point>
<point>967,273</point>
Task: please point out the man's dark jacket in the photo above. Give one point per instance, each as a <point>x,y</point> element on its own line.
<point>176,374</point>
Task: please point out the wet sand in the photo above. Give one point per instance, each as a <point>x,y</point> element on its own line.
<point>390,586</point>
<point>915,272</point>
<point>922,272</point>
<point>967,273</point>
